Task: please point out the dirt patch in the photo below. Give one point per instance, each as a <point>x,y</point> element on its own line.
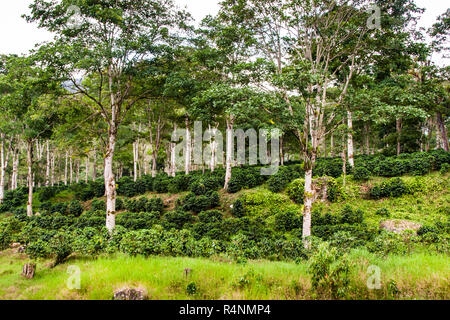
<point>398,226</point>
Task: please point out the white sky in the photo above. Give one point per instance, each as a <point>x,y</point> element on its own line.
<point>18,36</point>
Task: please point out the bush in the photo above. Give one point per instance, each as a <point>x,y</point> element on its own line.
<point>383,212</point>
<point>387,243</point>
<point>176,220</point>
<point>98,205</point>
<point>349,216</point>
<point>296,190</point>
<point>445,168</point>
<point>361,173</point>
<point>238,209</point>
<point>75,208</point>
<point>287,221</point>
<point>142,242</point>
<point>330,272</point>
<point>200,203</point>
<point>137,221</point>
<point>395,187</point>
<point>212,216</point>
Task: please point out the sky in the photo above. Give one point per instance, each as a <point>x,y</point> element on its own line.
<point>18,36</point>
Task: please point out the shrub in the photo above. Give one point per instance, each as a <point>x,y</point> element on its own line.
<point>136,221</point>
<point>287,221</point>
<point>142,242</point>
<point>383,212</point>
<point>296,190</point>
<point>200,203</point>
<point>350,216</point>
<point>161,183</point>
<point>98,205</point>
<point>75,208</point>
<point>330,272</point>
<point>387,243</point>
<point>176,219</point>
<point>238,209</point>
<point>204,186</point>
<point>445,168</point>
<point>395,187</point>
<point>361,173</point>
<point>212,216</point>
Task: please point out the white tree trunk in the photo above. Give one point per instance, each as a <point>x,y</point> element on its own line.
<point>110,184</point>
<point>2,167</point>
<point>94,165</point>
<point>135,160</point>
<point>307,206</point>
<point>229,155</point>
<point>71,168</point>
<point>86,178</point>
<point>47,166</point>
<point>65,168</point>
<point>15,172</point>
<point>30,178</point>
<point>187,161</point>
<point>350,149</point>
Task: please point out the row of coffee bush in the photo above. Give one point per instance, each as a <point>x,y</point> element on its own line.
<point>179,233</point>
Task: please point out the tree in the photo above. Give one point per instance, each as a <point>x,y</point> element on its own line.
<point>105,49</point>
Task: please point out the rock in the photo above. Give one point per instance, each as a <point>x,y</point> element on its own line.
<point>21,249</point>
<point>28,270</point>
<point>398,226</point>
<point>15,245</point>
<point>131,294</point>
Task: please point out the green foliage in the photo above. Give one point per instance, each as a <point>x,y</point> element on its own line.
<point>296,190</point>
<point>394,187</point>
<point>360,173</point>
<point>330,272</point>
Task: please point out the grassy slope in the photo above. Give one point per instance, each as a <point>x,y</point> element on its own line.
<point>420,275</point>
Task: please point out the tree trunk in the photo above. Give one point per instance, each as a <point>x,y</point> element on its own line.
<point>350,139</point>
<point>332,145</point>
<point>65,168</point>
<point>442,130</point>
<point>307,206</point>
<point>187,162</point>
<point>15,172</point>
<point>28,270</point>
<point>229,155</point>
<point>86,179</point>
<point>110,183</point>
<point>47,169</point>
<point>94,165</point>
<point>30,177</point>
<point>135,160</point>
<point>281,151</point>
<point>398,126</point>
<point>71,168</point>
<point>367,142</point>
<point>3,165</point>
<point>52,178</point>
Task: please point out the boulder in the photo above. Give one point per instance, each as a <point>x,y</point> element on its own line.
<point>398,226</point>
<point>130,294</point>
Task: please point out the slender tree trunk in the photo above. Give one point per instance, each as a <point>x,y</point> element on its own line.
<point>332,145</point>
<point>53,169</point>
<point>398,126</point>
<point>15,172</point>
<point>65,168</point>
<point>135,160</point>
<point>281,151</point>
<point>47,169</point>
<point>3,164</point>
<point>442,131</point>
<point>229,154</point>
<point>71,168</point>
<point>110,183</point>
<point>94,165</point>
<point>30,177</point>
<point>350,139</point>
<point>187,163</point>
<point>367,142</point>
<point>86,179</point>
<point>307,206</point>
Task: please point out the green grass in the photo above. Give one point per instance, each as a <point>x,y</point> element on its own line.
<point>419,276</point>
